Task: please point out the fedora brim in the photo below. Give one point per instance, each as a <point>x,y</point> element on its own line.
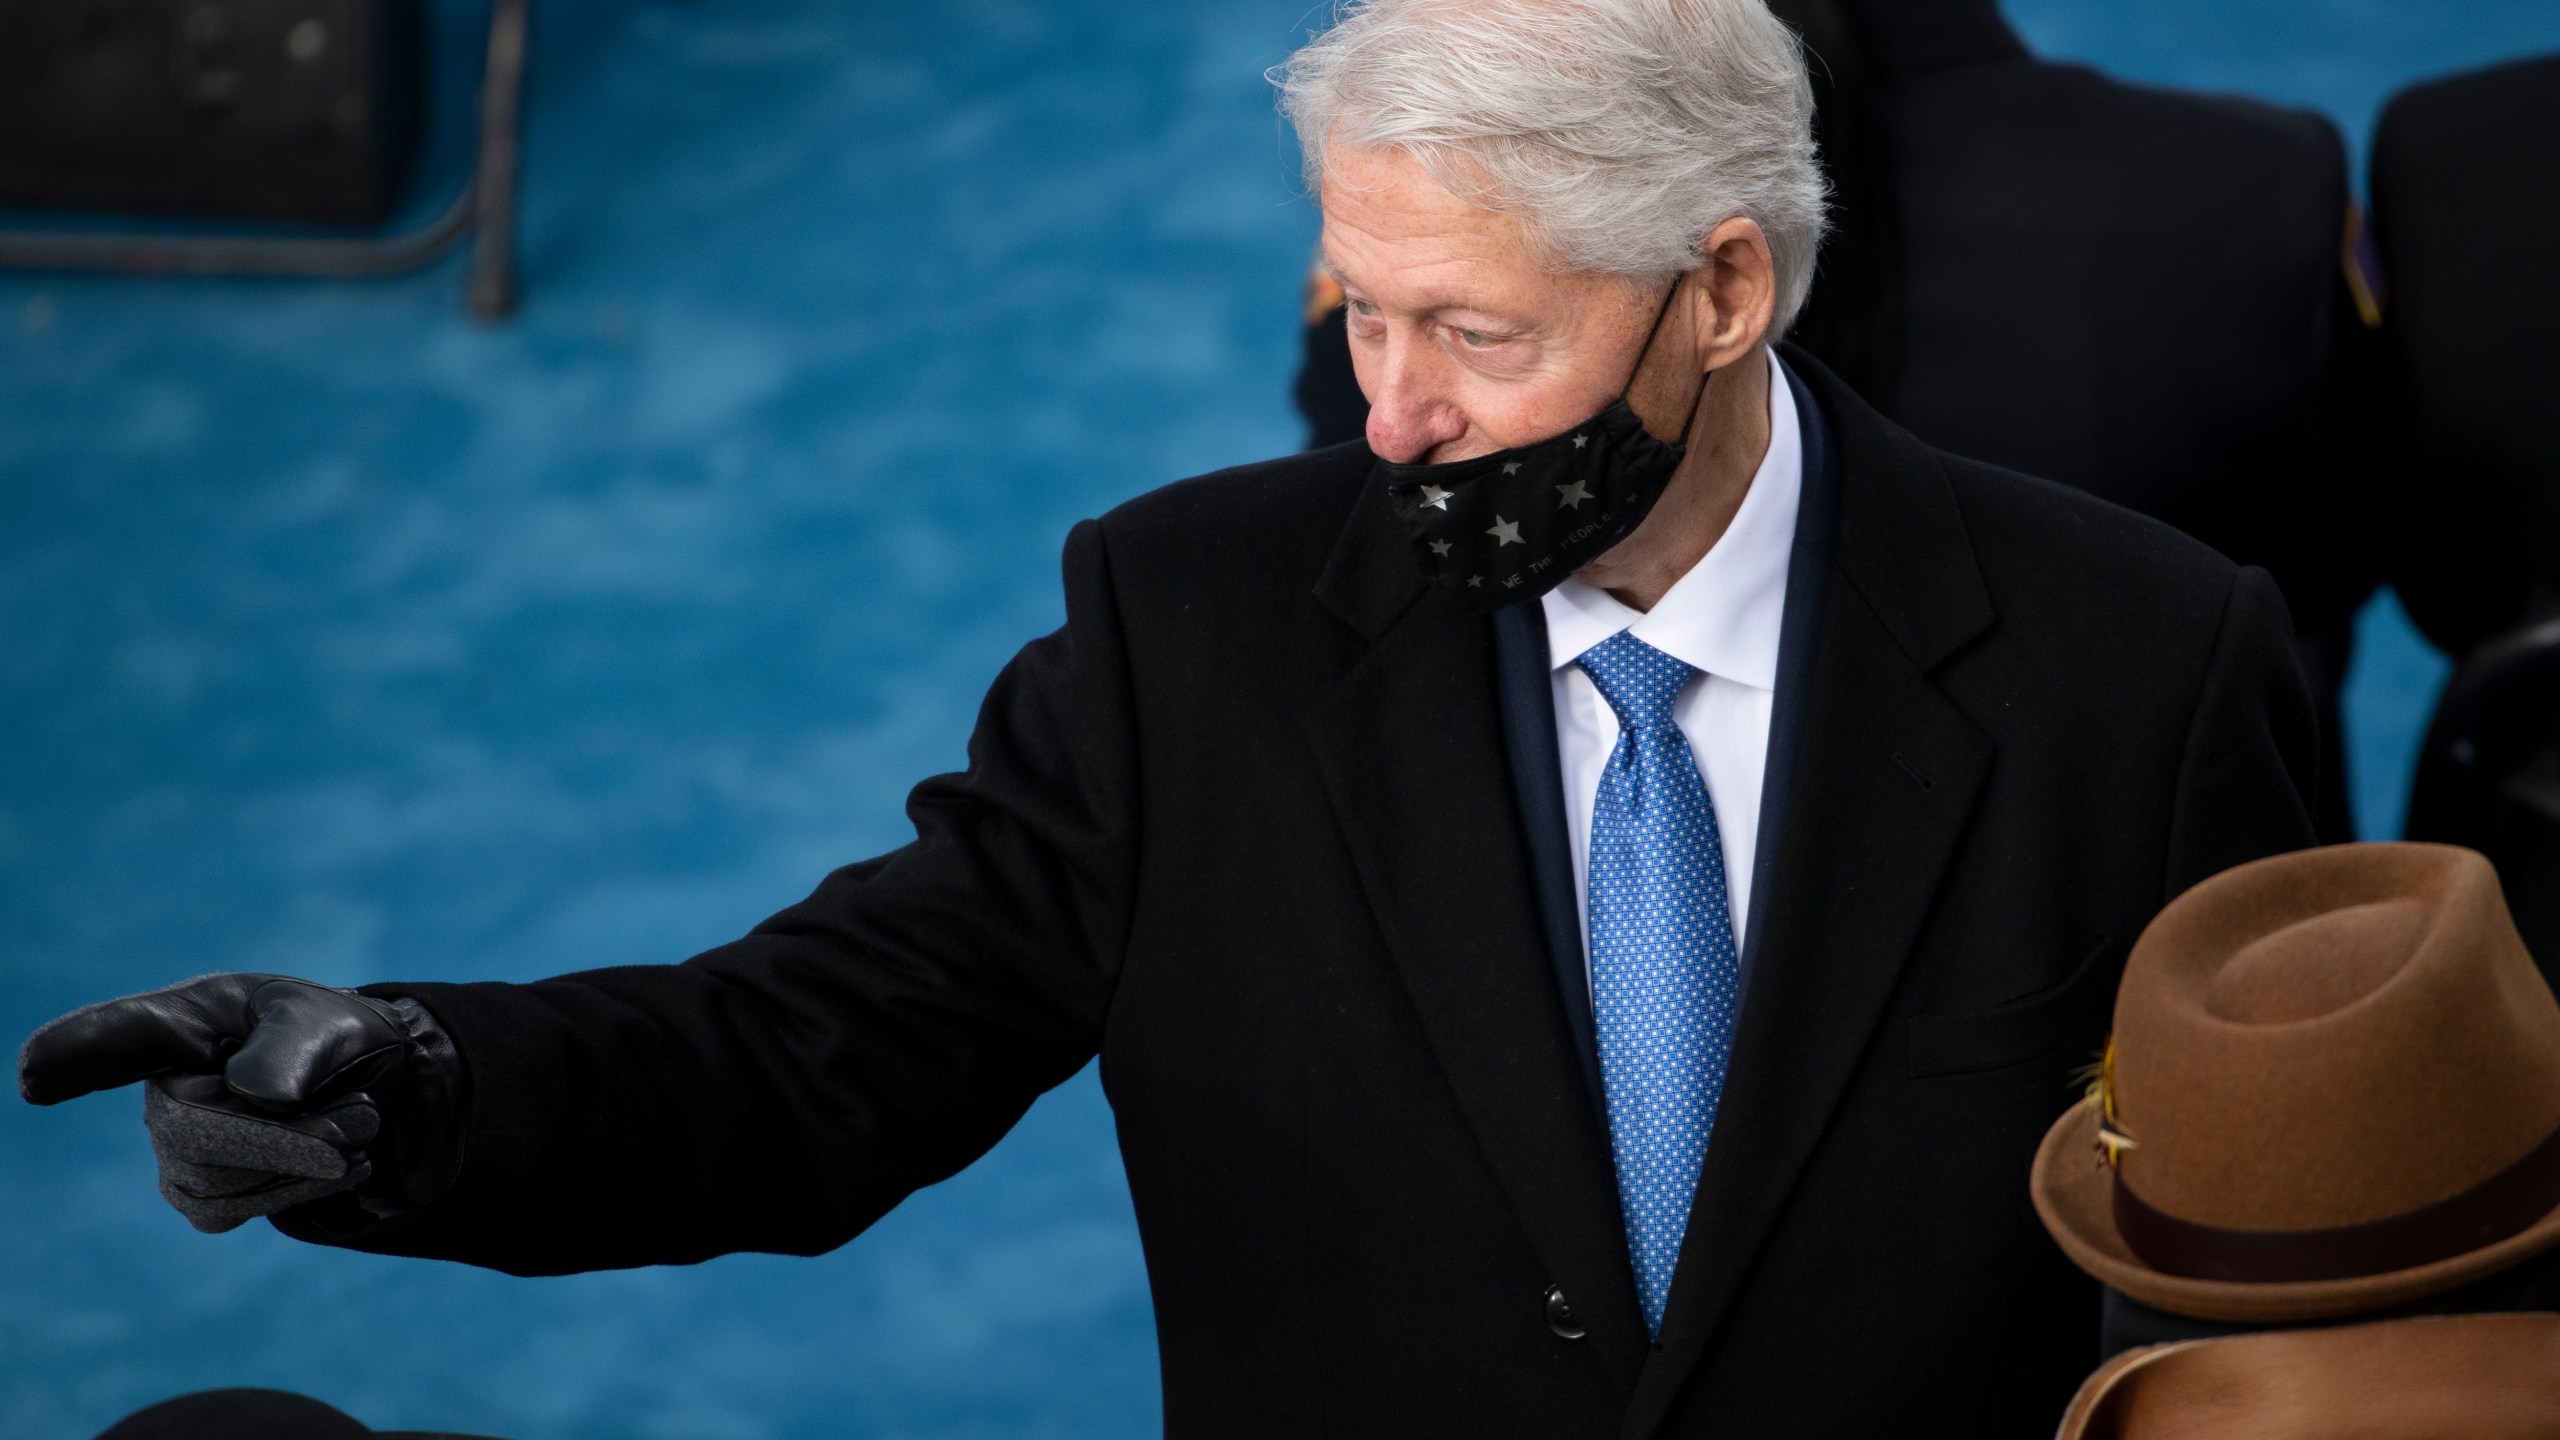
<point>2106,1379</point>
<point>2075,1194</point>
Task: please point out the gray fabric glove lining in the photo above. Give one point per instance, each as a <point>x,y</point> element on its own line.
<point>224,1162</point>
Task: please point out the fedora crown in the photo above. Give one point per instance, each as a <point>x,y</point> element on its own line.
<point>2330,1039</point>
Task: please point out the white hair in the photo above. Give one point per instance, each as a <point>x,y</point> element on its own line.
<point>1619,132</point>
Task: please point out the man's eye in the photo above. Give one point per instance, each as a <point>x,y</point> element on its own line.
<point>1363,307</point>
<point>1474,339</point>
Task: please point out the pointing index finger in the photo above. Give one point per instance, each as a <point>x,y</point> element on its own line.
<point>187,1028</point>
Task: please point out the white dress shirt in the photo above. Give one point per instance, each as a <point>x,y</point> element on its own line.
<point>1723,618</point>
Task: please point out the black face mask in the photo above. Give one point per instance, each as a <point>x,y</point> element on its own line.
<point>1510,526</point>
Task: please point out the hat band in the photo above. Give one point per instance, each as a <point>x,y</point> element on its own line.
<point>2503,1205</point>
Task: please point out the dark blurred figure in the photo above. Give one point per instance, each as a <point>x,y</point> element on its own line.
<point>2466,197</point>
<point>2146,294</point>
<point>2466,201</point>
<point>253,1415</point>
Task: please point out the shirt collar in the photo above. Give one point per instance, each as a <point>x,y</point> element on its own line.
<point>1723,617</point>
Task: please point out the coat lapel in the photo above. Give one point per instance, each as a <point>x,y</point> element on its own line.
<point>1883,778</point>
<point>1411,748</point>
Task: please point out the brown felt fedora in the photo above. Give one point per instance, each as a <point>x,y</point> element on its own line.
<point>2333,1087</point>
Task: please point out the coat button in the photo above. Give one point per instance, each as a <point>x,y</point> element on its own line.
<point>1560,1315</point>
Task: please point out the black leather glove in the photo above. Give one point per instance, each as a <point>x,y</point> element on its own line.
<point>267,1092</point>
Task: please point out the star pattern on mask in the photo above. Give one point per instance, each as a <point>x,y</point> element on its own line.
<point>1570,497</point>
<point>1581,440</point>
<point>1505,532</point>
<point>1440,548</point>
<point>1511,468</point>
<point>1435,498</point>
<point>1475,582</point>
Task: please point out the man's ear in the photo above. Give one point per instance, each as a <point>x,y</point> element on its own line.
<point>1736,293</point>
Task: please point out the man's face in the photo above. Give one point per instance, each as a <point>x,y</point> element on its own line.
<point>1462,342</point>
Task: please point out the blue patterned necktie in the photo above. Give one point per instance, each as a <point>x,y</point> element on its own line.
<point>1665,978</point>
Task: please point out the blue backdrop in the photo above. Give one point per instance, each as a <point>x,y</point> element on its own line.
<point>342,638</point>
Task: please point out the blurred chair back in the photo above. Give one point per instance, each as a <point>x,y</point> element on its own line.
<point>89,118</point>
<point>267,109</point>
<point>2489,776</point>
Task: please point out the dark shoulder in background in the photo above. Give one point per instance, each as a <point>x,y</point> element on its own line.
<point>2466,197</point>
<point>2137,292</point>
<point>2466,200</point>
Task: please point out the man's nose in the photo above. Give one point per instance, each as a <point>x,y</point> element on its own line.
<point>1409,415</point>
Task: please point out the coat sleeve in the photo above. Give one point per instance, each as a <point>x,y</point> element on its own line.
<point>2252,745</point>
<point>783,1092</point>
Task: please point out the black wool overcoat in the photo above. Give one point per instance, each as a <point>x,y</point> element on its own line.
<point>1247,828</point>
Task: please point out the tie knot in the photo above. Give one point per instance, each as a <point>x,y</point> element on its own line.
<point>1639,682</point>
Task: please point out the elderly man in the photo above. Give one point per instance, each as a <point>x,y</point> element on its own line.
<point>1585,903</point>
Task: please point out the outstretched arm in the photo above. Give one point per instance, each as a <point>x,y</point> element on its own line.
<point>782,1092</point>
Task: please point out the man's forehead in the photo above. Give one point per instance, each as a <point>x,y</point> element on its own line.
<point>1388,193</point>
<point>1442,278</point>
<point>1371,239</point>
